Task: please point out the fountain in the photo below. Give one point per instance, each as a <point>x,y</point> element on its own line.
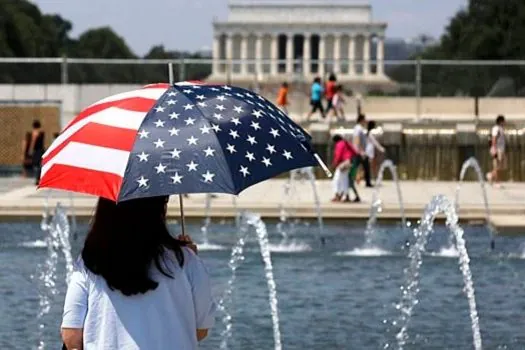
<point>289,193</point>
<point>57,229</point>
<point>473,163</point>
<point>376,206</point>
<point>205,244</point>
<point>410,289</point>
<point>237,255</point>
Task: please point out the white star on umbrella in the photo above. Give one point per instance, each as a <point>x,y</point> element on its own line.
<point>159,109</point>
<point>244,171</point>
<point>217,116</point>
<point>143,182</point>
<point>226,87</point>
<point>250,156</point>
<point>236,121</point>
<point>205,129</point>
<point>208,177</point>
<point>192,166</point>
<point>188,107</point>
<point>188,91</point>
<point>144,134</point>
<point>248,95</point>
<point>173,93</point>
<point>251,140</point>
<point>255,126</point>
<point>220,107</point>
<point>216,127</point>
<point>237,109</point>
<point>270,148</point>
<point>257,114</point>
<point>202,104</point>
<point>174,132</point>
<point>159,143</point>
<point>275,133</point>
<point>143,157</point>
<point>287,155</point>
<point>234,134</point>
<point>231,148</point>
<point>221,98</point>
<point>171,102</point>
<point>209,152</point>
<point>266,161</point>
<point>190,121</point>
<point>174,115</point>
<point>214,89</point>
<point>192,140</point>
<point>175,153</point>
<point>161,168</point>
<point>200,97</point>
<point>159,124</point>
<point>177,179</point>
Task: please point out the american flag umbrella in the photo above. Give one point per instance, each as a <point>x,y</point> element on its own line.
<point>175,139</point>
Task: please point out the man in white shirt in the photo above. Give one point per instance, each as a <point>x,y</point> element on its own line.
<point>360,141</point>
<point>497,150</point>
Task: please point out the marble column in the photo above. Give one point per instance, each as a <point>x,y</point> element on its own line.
<point>351,55</point>
<point>322,56</point>
<point>274,55</point>
<point>229,53</point>
<point>380,55</point>
<point>366,55</point>
<point>337,53</point>
<point>216,53</point>
<point>289,54</point>
<point>244,54</point>
<point>258,54</point>
<point>307,67</point>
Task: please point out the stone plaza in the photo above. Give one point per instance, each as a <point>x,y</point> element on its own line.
<point>263,41</point>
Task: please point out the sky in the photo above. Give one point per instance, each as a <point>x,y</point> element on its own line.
<point>187,24</point>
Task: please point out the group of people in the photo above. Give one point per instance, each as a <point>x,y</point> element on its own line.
<point>331,92</point>
<point>350,155</point>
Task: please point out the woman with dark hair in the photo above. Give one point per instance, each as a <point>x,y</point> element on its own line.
<point>33,150</point>
<point>329,92</point>
<point>345,163</point>
<point>135,286</point>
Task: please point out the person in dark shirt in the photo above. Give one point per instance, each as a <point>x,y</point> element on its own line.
<point>33,148</point>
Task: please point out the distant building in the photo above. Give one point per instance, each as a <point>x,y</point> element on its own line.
<point>272,41</point>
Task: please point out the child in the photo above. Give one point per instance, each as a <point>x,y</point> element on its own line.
<point>282,98</point>
<point>337,102</point>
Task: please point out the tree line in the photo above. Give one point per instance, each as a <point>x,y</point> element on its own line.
<point>27,32</point>
<point>482,30</point>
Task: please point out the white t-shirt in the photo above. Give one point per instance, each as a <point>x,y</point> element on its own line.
<point>499,133</point>
<point>165,318</point>
<point>360,132</point>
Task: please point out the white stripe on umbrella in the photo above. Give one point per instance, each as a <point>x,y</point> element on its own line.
<point>90,157</point>
<point>151,93</point>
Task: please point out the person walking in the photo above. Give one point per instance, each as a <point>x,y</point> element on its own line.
<point>360,142</point>
<point>329,92</point>
<point>282,98</point>
<point>338,101</point>
<point>134,285</point>
<point>344,163</point>
<point>371,146</point>
<point>316,96</point>
<point>33,149</point>
<point>497,151</point>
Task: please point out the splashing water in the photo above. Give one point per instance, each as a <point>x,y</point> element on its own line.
<point>207,220</point>
<point>289,197</point>
<point>225,303</point>
<point>377,204</point>
<point>410,289</point>
<point>468,164</point>
<point>57,239</point>
<point>237,255</point>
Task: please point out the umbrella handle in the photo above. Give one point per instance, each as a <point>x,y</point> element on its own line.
<point>323,165</point>
<point>182,221</point>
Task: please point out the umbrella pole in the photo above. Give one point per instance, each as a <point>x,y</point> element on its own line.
<point>323,165</point>
<point>181,199</point>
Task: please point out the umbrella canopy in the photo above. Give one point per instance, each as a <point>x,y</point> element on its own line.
<point>171,139</point>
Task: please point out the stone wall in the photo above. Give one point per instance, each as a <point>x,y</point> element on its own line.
<point>16,120</point>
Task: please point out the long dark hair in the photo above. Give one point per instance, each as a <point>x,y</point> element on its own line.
<point>126,239</point>
<point>371,126</point>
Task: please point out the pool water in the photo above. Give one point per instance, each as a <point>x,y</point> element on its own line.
<point>336,296</point>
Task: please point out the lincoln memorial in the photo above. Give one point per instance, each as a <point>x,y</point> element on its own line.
<point>273,41</point>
